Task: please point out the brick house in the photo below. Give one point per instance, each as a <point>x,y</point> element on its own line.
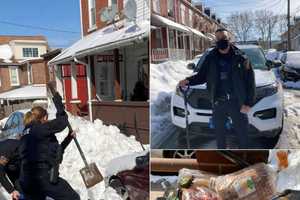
<point>21,65</point>
<point>181,29</point>
<point>100,72</point>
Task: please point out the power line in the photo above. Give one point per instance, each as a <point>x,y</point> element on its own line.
<point>38,27</point>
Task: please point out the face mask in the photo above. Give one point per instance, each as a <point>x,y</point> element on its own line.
<point>222,44</point>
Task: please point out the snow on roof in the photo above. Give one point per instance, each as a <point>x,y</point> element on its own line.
<point>195,31</point>
<point>159,19</point>
<point>104,39</point>
<point>5,52</point>
<point>25,92</point>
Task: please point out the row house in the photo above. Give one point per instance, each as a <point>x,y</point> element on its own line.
<point>22,68</point>
<point>295,36</point>
<point>180,29</point>
<point>105,74</point>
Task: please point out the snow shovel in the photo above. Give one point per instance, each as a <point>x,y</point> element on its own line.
<point>184,91</point>
<point>90,173</point>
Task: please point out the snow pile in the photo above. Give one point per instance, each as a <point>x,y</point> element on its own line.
<point>101,144</point>
<point>288,178</point>
<point>164,78</point>
<point>5,53</point>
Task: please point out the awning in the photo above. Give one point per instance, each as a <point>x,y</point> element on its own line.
<point>157,20</point>
<point>25,92</point>
<point>196,32</point>
<point>104,39</point>
<point>212,36</point>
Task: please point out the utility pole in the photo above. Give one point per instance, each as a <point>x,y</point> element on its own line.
<point>289,25</point>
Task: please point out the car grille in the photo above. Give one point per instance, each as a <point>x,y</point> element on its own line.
<point>199,99</point>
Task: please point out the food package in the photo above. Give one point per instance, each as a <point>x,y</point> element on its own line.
<point>256,182</point>
<point>198,193</point>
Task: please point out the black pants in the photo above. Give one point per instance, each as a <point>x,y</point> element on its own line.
<point>221,111</point>
<point>40,188</point>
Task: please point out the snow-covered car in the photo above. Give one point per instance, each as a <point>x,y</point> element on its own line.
<point>13,126</point>
<point>290,70</point>
<point>265,117</point>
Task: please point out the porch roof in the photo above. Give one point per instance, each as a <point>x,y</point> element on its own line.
<point>196,32</point>
<point>159,20</point>
<point>104,39</point>
<point>26,92</point>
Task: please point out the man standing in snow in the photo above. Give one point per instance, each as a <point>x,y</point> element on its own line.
<point>231,86</point>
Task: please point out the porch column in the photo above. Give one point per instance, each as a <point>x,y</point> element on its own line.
<point>184,45</point>
<point>117,82</point>
<point>58,79</point>
<point>168,42</point>
<point>88,79</point>
<point>74,80</point>
<point>192,38</point>
<point>176,42</point>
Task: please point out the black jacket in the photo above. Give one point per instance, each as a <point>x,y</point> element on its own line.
<point>241,72</point>
<point>40,144</point>
<point>10,172</point>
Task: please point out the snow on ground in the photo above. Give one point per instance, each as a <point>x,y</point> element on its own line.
<point>5,53</point>
<point>288,178</point>
<point>164,78</point>
<point>102,144</point>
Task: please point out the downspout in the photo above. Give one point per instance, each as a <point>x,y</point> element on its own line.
<point>88,84</point>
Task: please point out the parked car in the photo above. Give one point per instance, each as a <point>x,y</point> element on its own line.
<point>265,117</point>
<point>290,71</point>
<point>13,126</point>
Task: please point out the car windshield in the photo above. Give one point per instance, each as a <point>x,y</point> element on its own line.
<point>257,58</point>
<point>255,55</point>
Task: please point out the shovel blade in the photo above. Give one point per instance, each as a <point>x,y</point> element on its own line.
<point>91,175</point>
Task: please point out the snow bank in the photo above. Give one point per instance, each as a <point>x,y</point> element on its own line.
<point>164,78</point>
<point>6,53</point>
<point>288,178</point>
<point>101,144</point>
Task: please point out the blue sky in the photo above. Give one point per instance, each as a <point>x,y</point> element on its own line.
<point>54,14</point>
<point>223,8</point>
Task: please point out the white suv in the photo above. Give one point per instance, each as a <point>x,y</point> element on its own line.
<point>265,117</point>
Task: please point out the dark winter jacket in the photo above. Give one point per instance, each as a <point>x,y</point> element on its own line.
<point>40,145</point>
<point>241,72</point>
<point>9,173</point>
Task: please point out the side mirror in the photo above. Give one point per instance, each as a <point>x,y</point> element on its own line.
<point>277,63</point>
<point>269,64</point>
<point>191,66</point>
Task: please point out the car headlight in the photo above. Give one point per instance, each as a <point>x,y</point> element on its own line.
<point>178,92</point>
<point>268,90</point>
<point>289,69</point>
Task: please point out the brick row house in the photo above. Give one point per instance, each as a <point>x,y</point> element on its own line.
<point>22,68</point>
<point>105,74</point>
<point>181,29</point>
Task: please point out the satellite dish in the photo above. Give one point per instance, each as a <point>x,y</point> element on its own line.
<point>108,14</point>
<point>130,10</point>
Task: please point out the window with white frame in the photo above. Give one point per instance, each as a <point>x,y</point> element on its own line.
<point>190,18</point>
<point>104,81</point>
<point>158,38</point>
<point>182,12</point>
<point>92,13</point>
<point>156,6</point>
<point>14,76</point>
<point>112,2</point>
<point>30,52</point>
<point>171,8</point>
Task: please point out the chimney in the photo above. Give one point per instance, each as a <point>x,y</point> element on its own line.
<point>207,11</point>
<point>213,16</point>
